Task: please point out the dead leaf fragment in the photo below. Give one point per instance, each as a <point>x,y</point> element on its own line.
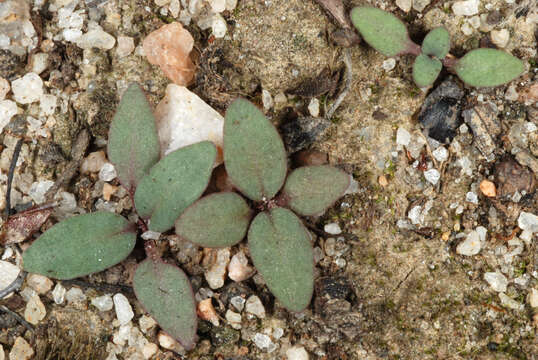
<point>21,226</point>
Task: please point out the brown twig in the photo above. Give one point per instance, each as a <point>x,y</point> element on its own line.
<point>347,86</point>
<point>17,317</point>
<point>11,173</point>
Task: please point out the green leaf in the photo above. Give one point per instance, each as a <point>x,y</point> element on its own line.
<point>426,70</point>
<point>217,220</point>
<point>133,144</point>
<point>166,294</point>
<point>81,245</point>
<point>437,43</point>
<point>254,153</point>
<point>488,67</point>
<point>281,251</point>
<point>174,183</point>
<point>312,189</point>
<point>381,30</point>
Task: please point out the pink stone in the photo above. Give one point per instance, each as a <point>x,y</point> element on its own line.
<point>169,47</point>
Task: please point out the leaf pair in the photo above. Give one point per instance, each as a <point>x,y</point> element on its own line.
<point>387,34</point>
<point>279,244</point>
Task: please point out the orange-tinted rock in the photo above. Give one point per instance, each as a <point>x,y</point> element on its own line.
<point>169,47</point>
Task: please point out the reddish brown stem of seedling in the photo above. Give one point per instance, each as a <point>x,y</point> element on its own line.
<point>449,62</point>
<point>413,49</point>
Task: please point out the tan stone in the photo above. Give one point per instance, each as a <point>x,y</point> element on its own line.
<point>488,188</point>
<point>169,47</point>
<point>21,350</point>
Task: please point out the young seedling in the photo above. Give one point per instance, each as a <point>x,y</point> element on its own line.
<point>479,68</point>
<point>164,193</point>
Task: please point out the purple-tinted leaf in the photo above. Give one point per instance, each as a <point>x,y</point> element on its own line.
<point>21,226</point>
<point>165,292</point>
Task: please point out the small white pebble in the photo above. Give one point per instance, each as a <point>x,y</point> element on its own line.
<point>332,228</point>
<point>124,312</point>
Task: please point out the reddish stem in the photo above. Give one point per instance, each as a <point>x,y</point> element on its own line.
<point>413,49</point>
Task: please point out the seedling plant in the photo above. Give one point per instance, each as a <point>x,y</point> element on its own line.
<point>165,194</point>
<point>479,68</point>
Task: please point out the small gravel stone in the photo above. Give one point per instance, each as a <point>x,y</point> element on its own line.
<point>263,341</point>
<point>58,294</point>
<point>465,8</point>
<point>510,303</point>
<point>432,176</point>
<point>238,269</point>
<point>403,137</point>
<point>41,284</point>
<point>500,37</point>
<point>27,89</point>
<point>389,64</point>
<point>96,38</point>
<point>218,26</point>
<point>9,274</point>
<point>313,107</point>
<point>93,162</point>
<point>124,312</point>
<point>75,295</point>
<point>471,245</point>
<point>206,311</point>
<point>496,280</point>
<point>528,222</point>
<point>103,303</point>
<point>254,306</point>
<point>39,62</point>
<point>2,354</point>
<point>21,350</point>
<point>471,197</point>
<point>149,350</point>
<point>533,298</point>
<point>151,235</point>
<point>511,93</point>
<point>167,342</point>
<point>405,5</point>
<point>107,172</point>
<point>420,5</point>
<point>125,46</point>
<point>267,100</point>
<point>35,311</point>
<point>440,154</point>
<point>297,353</point>
<point>332,228</point>
<point>234,319</point>
<point>238,302</point>
<point>47,104</point>
<point>146,323</point>
<point>216,273</point>
<point>8,109</point>
<point>38,190</point>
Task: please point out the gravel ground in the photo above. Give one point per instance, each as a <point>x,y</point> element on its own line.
<point>431,254</point>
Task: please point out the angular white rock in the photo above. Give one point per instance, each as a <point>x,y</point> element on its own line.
<point>96,38</point>
<point>218,26</point>
<point>440,154</point>
<point>465,8</point>
<point>8,109</point>
<point>217,5</point>
<point>403,137</point>
<point>21,350</point>
<point>264,342</point>
<point>500,37</point>
<point>471,245</point>
<point>184,119</point>
<point>9,274</point>
<point>58,294</point>
<point>38,190</point>
<point>297,353</point>
<point>254,306</point>
<point>238,269</point>
<point>103,303</point>
<point>216,273</point>
<point>496,280</point>
<point>510,303</point>
<point>238,302</point>
<point>4,88</point>
<point>528,222</point>
<point>313,107</point>
<point>35,311</point>
<point>107,172</point>
<point>27,89</point>
<point>47,104</point>
<point>420,5</point>
<point>533,298</point>
<point>124,312</point>
<point>432,176</point>
<point>75,295</point>
<point>125,46</point>
<point>389,64</point>
<point>234,319</point>
<point>146,323</point>
<point>267,100</point>
<point>168,342</point>
<point>93,162</point>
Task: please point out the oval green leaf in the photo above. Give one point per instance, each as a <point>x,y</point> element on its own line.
<point>281,251</point>
<point>381,30</point>
<point>174,183</point>
<point>133,143</point>
<point>437,43</point>
<point>488,67</point>
<point>81,245</point>
<point>310,190</point>
<point>166,294</point>
<point>426,70</point>
<point>217,220</point>
<point>254,153</point>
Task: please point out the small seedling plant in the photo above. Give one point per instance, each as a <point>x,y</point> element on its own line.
<point>166,195</point>
<point>479,68</point>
